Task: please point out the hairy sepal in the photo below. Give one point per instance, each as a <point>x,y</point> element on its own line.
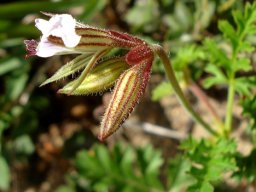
<point>70,68</point>
<point>102,77</point>
<point>93,61</point>
<point>127,93</point>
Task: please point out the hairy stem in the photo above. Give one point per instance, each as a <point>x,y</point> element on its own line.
<point>171,76</point>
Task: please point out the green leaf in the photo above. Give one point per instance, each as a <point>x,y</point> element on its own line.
<point>246,46</point>
<point>143,14</point>
<point>19,9</point>
<point>187,55</point>
<point>163,89</point>
<point>15,85</point>
<point>91,8</point>
<point>238,18</point>
<point>178,179</point>
<point>209,161</point>
<point>4,174</point>
<point>205,11</point>
<point>244,22</point>
<point>88,166</point>
<point>172,23</point>
<point>228,32</point>
<point>216,55</point>
<point>242,64</point>
<point>126,163</point>
<point>104,158</point>
<point>65,188</point>
<point>244,86</point>
<point>9,64</point>
<point>217,78</point>
<point>249,110</point>
<point>183,15</point>
<point>247,167</point>
<point>24,145</point>
<point>7,43</point>
<point>120,169</point>
<point>206,186</point>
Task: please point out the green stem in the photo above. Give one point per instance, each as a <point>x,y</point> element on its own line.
<point>1,137</point>
<point>229,111</point>
<point>231,95</point>
<point>175,85</point>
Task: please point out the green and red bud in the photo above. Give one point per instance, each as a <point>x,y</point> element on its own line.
<point>126,95</point>
<point>102,77</point>
<point>128,90</point>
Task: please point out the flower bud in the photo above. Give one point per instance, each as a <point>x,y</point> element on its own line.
<point>128,90</point>
<point>102,77</point>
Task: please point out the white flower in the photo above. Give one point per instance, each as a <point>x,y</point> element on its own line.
<point>62,26</point>
<point>62,34</point>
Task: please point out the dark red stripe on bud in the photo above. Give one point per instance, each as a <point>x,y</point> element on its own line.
<point>125,38</point>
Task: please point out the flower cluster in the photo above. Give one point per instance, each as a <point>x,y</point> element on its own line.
<point>130,73</point>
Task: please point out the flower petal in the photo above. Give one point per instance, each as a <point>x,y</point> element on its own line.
<point>47,49</point>
<point>42,25</point>
<point>62,26</point>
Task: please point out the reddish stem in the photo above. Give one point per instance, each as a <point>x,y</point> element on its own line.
<point>201,95</point>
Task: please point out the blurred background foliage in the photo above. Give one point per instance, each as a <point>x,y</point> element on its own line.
<point>47,140</point>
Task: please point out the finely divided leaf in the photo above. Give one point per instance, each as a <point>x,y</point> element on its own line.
<point>101,169</point>
<point>217,78</point>
<point>209,161</point>
<point>228,32</point>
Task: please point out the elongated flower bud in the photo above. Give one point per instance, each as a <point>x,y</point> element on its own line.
<point>128,90</point>
<point>62,34</point>
<point>102,77</point>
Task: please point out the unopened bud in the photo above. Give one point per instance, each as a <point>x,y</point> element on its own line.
<point>102,77</point>
<point>128,90</point>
